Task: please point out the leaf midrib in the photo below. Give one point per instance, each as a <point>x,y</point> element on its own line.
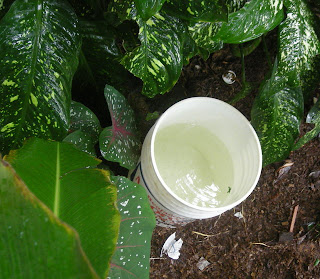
<point>34,56</point>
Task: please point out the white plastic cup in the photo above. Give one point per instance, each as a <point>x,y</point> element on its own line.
<point>237,134</point>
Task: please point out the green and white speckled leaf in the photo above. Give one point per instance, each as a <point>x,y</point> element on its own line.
<point>67,181</point>
<point>34,242</point>
<point>99,51</point>
<point>314,118</point>
<point>125,9</point>
<point>81,141</point>
<point>254,19</point>
<point>39,45</point>
<point>203,34</point>
<point>299,48</point>
<point>132,256</point>
<point>120,142</point>
<point>205,10</point>
<point>82,118</point>
<point>235,5</point>
<point>276,115</point>
<point>148,8</point>
<point>158,60</point>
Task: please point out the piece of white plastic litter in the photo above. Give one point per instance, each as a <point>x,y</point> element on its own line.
<point>238,215</point>
<point>202,263</point>
<point>172,247</point>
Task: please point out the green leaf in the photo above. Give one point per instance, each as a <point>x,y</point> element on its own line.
<point>131,258</point>
<point>39,45</point>
<point>254,19</point>
<point>235,5</point>
<point>125,9</point>
<point>203,34</point>
<point>276,115</point>
<point>246,89</point>
<point>4,7</point>
<point>120,142</point>
<point>159,59</point>
<point>148,8</point>
<point>99,51</point>
<point>314,118</point>
<point>82,118</point>
<point>299,47</point>
<point>34,243</point>
<point>84,128</point>
<point>205,10</point>
<point>66,180</point>
<point>81,141</point>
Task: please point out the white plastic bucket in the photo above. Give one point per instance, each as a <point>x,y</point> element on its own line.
<point>226,123</point>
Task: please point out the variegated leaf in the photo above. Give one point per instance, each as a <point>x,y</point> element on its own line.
<point>276,115</point>
<point>39,44</point>
<point>235,5</point>
<point>99,51</point>
<point>132,255</point>
<point>82,118</point>
<point>254,19</point>
<point>203,34</point>
<point>204,11</point>
<point>82,141</point>
<point>148,8</point>
<point>120,142</point>
<point>299,48</point>
<point>125,9</point>
<point>158,60</point>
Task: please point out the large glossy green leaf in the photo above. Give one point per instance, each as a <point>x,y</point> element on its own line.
<point>39,45</point>
<point>34,243</point>
<point>276,115</point>
<point>120,143</point>
<point>205,10</point>
<point>148,8</point>
<point>159,59</point>
<point>254,19</point>
<point>65,179</point>
<point>99,51</point>
<point>203,34</point>
<point>314,118</point>
<point>131,258</point>
<point>235,5</point>
<point>299,48</point>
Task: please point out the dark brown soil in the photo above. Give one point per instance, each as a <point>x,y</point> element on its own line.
<point>247,247</point>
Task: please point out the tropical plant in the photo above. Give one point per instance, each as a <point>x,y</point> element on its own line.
<point>51,50</point>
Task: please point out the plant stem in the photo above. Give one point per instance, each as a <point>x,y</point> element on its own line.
<point>243,68</point>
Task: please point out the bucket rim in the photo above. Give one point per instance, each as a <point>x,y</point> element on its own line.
<point>244,119</point>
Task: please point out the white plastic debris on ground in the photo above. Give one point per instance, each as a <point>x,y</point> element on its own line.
<point>238,215</point>
<point>202,263</point>
<point>172,247</point>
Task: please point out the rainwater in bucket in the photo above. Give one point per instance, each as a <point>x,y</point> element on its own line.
<point>201,158</point>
